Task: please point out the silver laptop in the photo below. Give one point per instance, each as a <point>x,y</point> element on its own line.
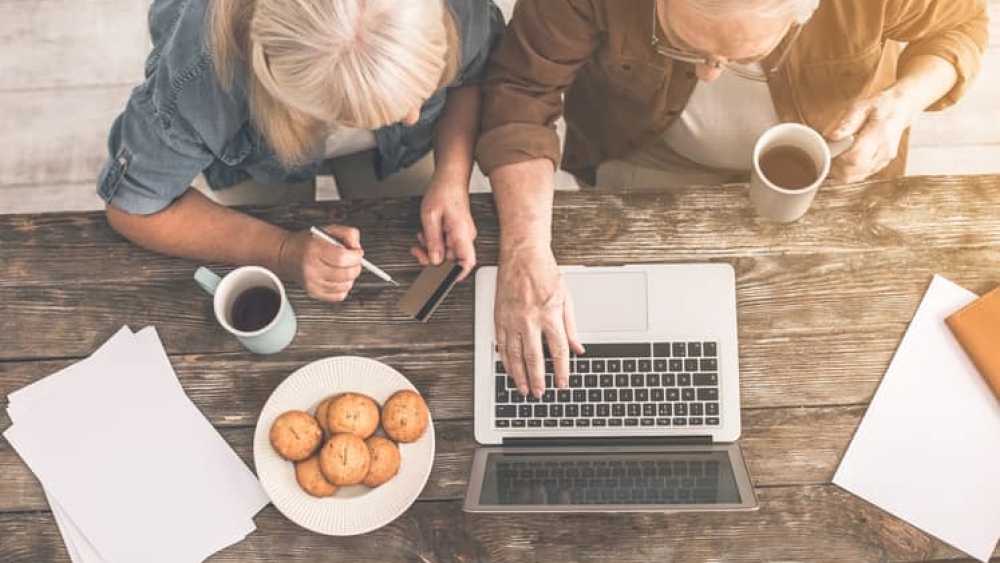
<point>651,415</point>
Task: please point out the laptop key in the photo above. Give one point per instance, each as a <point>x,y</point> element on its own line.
<point>541,411</point>
<point>621,380</point>
<point>708,349</point>
<point>524,411</point>
<point>564,395</point>
<point>711,408</point>
<point>703,379</point>
<point>599,422</point>
<point>697,409</point>
<point>579,395</point>
<point>550,422</point>
<point>550,381</point>
<point>634,409</point>
<point>645,365</point>
<point>661,349</point>
<point>638,380</point>
<point>587,410</point>
<point>565,422</point>
<point>647,422</point>
<point>631,422</point>
<point>531,398</point>
<point>597,366</point>
<point>680,422</point>
<point>673,395</point>
<point>659,365</point>
<point>694,349</point>
<point>594,395</point>
<point>656,395</point>
<point>503,396</point>
<point>688,393</point>
<point>572,410</point>
<point>663,422</point>
<point>607,380</point>
<point>628,365</point>
<point>590,381</point>
<point>517,423</point>
<point>617,409</point>
<point>501,382</point>
<point>665,409</point>
<point>691,364</point>
<point>506,411</point>
<point>549,366</point>
<point>503,423</point>
<point>516,397</point>
<point>549,396</point>
<point>534,423</point>
<point>499,367</point>
<point>708,394</point>
<point>614,366</point>
<point>556,410</point>
<point>683,379</point>
<point>668,380</point>
<point>610,395</point>
<point>678,349</point>
<point>649,409</point>
<point>583,366</point>
<point>695,421</point>
<point>681,409</point>
<point>642,395</point>
<point>603,410</point>
<point>583,422</point>
<point>614,422</point>
<point>676,365</point>
<point>575,381</point>
<point>712,421</point>
<point>625,395</point>
<point>709,364</point>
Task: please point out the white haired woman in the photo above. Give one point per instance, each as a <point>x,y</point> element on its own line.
<point>268,89</point>
<point>663,92</point>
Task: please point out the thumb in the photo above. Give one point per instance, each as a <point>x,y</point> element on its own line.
<point>433,237</point>
<point>348,236</point>
<point>851,121</point>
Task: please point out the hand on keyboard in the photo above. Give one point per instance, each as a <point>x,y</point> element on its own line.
<point>532,303</point>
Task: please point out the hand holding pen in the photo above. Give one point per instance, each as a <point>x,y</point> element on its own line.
<point>326,271</point>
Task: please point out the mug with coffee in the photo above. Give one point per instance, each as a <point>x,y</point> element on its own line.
<point>251,304</point>
<point>790,161</point>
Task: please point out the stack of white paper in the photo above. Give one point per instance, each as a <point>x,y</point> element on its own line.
<point>131,468</point>
<point>928,449</point>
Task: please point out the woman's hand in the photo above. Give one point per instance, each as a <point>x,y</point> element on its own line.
<point>448,229</point>
<point>327,272</point>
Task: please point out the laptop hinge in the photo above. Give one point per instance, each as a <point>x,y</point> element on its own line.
<point>610,441</point>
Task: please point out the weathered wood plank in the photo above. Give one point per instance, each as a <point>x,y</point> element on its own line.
<point>779,297</point>
<point>818,523</point>
<point>65,43</point>
<point>790,446</point>
<point>683,224</point>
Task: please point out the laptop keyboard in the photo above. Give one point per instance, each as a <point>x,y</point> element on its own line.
<point>611,482</point>
<point>634,385</point>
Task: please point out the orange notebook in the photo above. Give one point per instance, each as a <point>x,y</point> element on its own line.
<point>977,328</point>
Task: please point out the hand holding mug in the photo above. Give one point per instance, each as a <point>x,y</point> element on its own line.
<point>878,124</point>
<point>327,272</point>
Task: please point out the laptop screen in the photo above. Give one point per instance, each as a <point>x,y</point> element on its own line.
<point>634,478</point>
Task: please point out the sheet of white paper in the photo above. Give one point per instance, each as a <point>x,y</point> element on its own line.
<point>79,548</point>
<point>23,399</point>
<point>928,449</point>
<point>133,463</point>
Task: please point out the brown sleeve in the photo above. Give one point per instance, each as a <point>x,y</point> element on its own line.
<point>955,30</point>
<point>539,55</point>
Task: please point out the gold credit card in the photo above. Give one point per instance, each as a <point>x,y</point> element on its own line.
<point>429,290</point>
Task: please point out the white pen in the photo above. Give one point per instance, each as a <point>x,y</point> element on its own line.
<point>320,233</point>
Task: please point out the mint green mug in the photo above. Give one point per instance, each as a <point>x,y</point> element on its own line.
<point>250,302</point>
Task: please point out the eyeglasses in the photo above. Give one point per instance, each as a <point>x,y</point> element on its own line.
<point>743,69</point>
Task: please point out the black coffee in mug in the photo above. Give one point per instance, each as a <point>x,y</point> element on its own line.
<point>788,167</point>
<point>255,308</point>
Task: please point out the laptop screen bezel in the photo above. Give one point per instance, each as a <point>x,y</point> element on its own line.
<point>473,496</point>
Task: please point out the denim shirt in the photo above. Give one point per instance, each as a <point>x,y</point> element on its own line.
<point>181,122</point>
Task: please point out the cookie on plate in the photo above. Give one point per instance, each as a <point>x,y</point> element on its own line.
<point>321,413</point>
<point>311,479</point>
<point>353,413</point>
<point>295,435</point>
<point>344,460</point>
<point>384,460</point>
<point>404,416</point>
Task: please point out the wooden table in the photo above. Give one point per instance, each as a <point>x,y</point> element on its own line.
<point>822,306</point>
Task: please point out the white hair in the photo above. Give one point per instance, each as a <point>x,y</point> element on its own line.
<point>800,10</point>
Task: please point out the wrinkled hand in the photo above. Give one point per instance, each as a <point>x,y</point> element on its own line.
<point>448,229</point>
<point>532,303</point>
<point>877,123</point>
<point>327,272</point>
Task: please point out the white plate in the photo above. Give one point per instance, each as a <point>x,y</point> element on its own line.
<point>356,509</point>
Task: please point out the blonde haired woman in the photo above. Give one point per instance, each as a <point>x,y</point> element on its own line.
<point>268,89</point>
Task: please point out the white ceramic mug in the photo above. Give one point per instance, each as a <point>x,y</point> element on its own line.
<point>277,333</point>
<point>781,204</point>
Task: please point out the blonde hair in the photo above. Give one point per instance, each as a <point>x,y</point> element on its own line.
<point>311,65</point>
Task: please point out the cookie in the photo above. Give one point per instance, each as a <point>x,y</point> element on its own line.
<point>353,413</point>
<point>295,435</point>
<point>321,413</point>
<point>344,460</point>
<point>404,416</point>
<point>311,479</point>
<point>385,460</point>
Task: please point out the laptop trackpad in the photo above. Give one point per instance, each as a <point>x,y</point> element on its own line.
<point>609,302</point>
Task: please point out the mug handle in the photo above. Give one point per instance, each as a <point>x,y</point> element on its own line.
<point>207,279</point>
<point>837,148</point>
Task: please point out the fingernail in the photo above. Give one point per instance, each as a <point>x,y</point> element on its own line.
<point>522,389</point>
<point>435,256</point>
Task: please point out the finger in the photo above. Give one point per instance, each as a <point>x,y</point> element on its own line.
<point>569,320</point>
<point>461,249</point>
<point>348,236</point>
<point>555,339</point>
<point>859,162</point>
<point>515,363</point>
<point>851,121</point>
<point>534,362</point>
<point>515,371</point>
<point>420,254</point>
<point>323,294</point>
<point>433,236</point>
<point>336,257</point>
